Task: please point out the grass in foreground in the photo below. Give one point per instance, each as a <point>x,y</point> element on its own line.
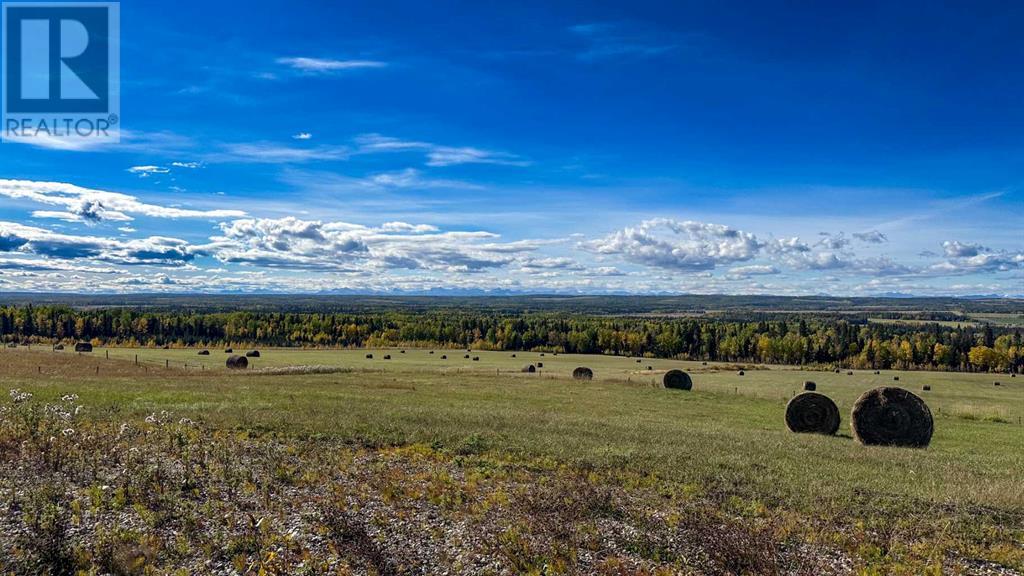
<point>715,463</point>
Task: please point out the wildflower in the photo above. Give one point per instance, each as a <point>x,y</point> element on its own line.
<point>67,432</point>
<point>19,396</point>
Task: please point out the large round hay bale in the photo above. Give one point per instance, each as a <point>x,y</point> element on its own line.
<point>540,364</point>
<point>740,373</point>
<point>877,372</point>
<point>444,357</point>
<point>811,412</point>
<point>849,373</point>
<point>253,354</point>
<point>58,347</point>
<point>236,362</point>
<point>476,358</point>
<point>649,368</point>
<point>204,352</point>
<point>810,386</point>
<point>583,373</point>
<point>529,368</point>
<point>890,416</point>
<point>83,347</point>
<point>895,378</point>
<point>431,351</point>
<point>466,356</point>
<point>387,356</point>
<point>513,355</point>
<point>369,356</point>
<point>638,360</point>
<point>677,380</point>
<point>997,383</point>
<point>541,353</point>
<point>926,388</point>
<point>229,350</point>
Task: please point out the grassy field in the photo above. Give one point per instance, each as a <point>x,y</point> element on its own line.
<point>885,510</point>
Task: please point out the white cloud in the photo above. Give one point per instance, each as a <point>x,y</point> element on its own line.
<point>302,136</point>
<point>87,205</point>
<point>675,245</point>
<point>189,165</point>
<point>437,155</point>
<point>154,250</point>
<point>271,153</point>
<point>871,237</point>
<point>325,65</point>
<point>146,171</point>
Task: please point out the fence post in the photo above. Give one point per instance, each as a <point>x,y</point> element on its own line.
<point>167,363</point>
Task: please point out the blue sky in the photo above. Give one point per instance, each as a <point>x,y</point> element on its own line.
<point>730,147</point>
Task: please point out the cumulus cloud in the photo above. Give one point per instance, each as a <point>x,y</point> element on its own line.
<point>302,136</point>
<point>309,244</point>
<point>956,249</point>
<point>146,171</point>
<point>154,250</point>
<point>91,206</point>
<point>271,153</point>
<point>683,246</point>
<point>871,237</point>
<point>752,270</point>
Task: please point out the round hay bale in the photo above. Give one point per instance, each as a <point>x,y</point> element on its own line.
<point>877,372</point>
<point>369,356</point>
<point>895,378</point>
<point>583,373</point>
<point>529,368</point>
<point>810,386</point>
<point>83,347</point>
<point>849,373</point>
<point>466,356</point>
<point>740,373</point>
<point>638,360</point>
<point>401,351</point>
<point>540,364</point>
<point>513,355</point>
<point>838,371</point>
<point>926,388</point>
<point>541,353</point>
<point>890,416</point>
<point>998,384</point>
<point>236,362</point>
<point>431,351</point>
<point>814,413</point>
<point>204,352</point>
<point>229,350</point>
<point>476,358</point>
<point>12,345</point>
<point>253,354</point>
<point>387,356</point>
<point>444,357</point>
<point>703,363</point>
<point>677,380</point>
<point>649,368</point>
<point>58,347</point>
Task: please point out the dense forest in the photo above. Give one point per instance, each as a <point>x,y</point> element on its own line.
<point>822,341</point>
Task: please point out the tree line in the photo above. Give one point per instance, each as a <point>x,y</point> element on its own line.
<point>825,341</point>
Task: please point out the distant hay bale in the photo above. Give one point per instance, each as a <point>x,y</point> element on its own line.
<point>431,351</point>
<point>387,356</point>
<point>529,368</point>
<point>540,364</point>
<point>997,383</point>
<point>236,362</point>
<point>890,416</point>
<point>677,380</point>
<point>638,360</point>
<point>444,357</point>
<point>649,368</point>
<point>229,350</point>
<point>812,413</point>
<point>401,351</point>
<point>476,358</point>
<point>513,355</point>
<point>369,356</point>
<point>838,370</point>
<point>877,372</point>
<point>83,347</point>
<point>849,373</point>
<point>741,373</point>
<point>166,347</point>
<point>810,386</point>
<point>895,378</point>
<point>541,353</point>
<point>583,373</point>
<point>466,356</point>
<point>204,352</point>
<point>253,354</point>
<point>926,388</point>
<point>58,347</point>
<point>703,363</point>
